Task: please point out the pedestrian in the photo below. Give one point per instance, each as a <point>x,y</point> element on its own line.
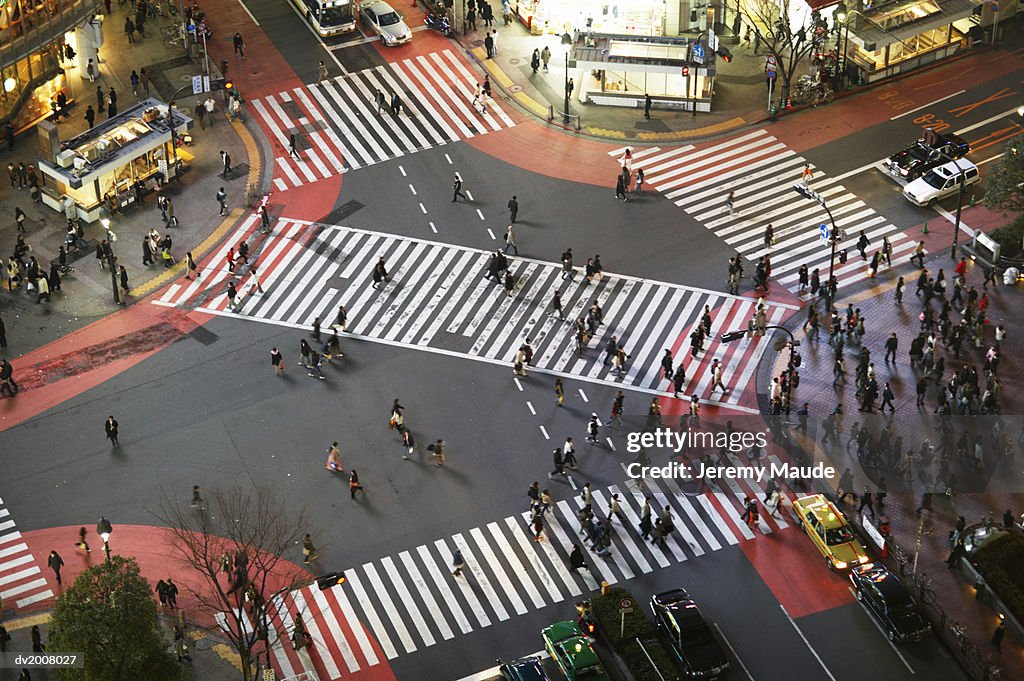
<point>510,240</point>
<point>559,463</point>
<point>569,454</point>
<point>354,484</point>
<point>513,208</point>
<point>309,552</point>
<point>292,146</point>
<point>891,344</point>
<point>232,294</point>
<point>396,104</point>
<point>887,398</point>
<point>90,71</point>
<point>55,563</point>
<point>900,285</point>
<point>457,188</point>
<point>239,45</point>
<point>998,635</point>
<point>729,202</point>
<point>134,78</point>
<point>123,275</point>
<point>161,592</point>
<point>559,392</point>
<point>225,159</point>
<point>111,429</point>
<point>90,115</point>
<point>862,245</point>
<point>807,175</point>
<point>647,106</point>
<point>556,305</point>
<point>866,501</point>
<point>111,103</point>
<point>315,332</point>
<point>172,593</point>
<point>535,60</point>
<point>209,105</point>
<point>19,219</point>
<point>620,188</point>
<point>3,334</point>
<point>545,56</point>
<point>7,382</point>
<point>437,452</point>
<point>277,361</point>
<point>314,366</point>
<point>918,254</point>
<point>197,499</point>
<point>222,200</point>
<point>457,563</point>
<point>617,406</point>
<point>254,281</point>
<point>408,444</point>
<point>488,45</point>
<point>592,429</point>
<point>321,72</point>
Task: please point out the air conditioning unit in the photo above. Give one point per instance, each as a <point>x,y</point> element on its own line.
<point>66,158</point>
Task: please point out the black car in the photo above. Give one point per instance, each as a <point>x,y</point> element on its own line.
<point>697,648</point>
<point>889,602</point>
<point>926,153</point>
<point>523,669</point>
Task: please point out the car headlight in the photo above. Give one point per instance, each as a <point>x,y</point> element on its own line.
<point>839,564</point>
<point>904,171</point>
<point>863,559</point>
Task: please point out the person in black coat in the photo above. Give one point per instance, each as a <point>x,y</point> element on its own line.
<point>576,560</point>
<point>111,428</point>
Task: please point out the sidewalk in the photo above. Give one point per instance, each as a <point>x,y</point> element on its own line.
<point>883,316</point>
<point>740,96</point>
<point>86,293</point>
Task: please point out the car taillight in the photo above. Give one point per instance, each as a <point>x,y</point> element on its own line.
<point>863,559</point>
<point>904,171</point>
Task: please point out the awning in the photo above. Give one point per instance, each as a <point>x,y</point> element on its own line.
<point>952,10</point>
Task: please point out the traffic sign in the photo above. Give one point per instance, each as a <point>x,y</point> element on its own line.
<point>769,74</point>
<point>771,64</point>
<point>626,605</point>
<point>197,85</point>
<point>698,53</point>
<point>823,232</point>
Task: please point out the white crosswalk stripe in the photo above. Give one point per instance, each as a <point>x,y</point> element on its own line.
<point>761,171</point>
<point>338,128</point>
<point>438,291</point>
<point>22,582</point>
<point>504,565</point>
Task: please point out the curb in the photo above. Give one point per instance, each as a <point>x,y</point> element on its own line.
<point>232,219</point>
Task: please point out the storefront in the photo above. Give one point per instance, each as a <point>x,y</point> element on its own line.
<point>40,41</point>
<point>891,38</point>
<point>99,168</point>
<point>625,17</point>
<point>617,70</point>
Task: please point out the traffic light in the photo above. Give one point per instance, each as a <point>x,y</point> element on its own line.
<point>796,359</point>
<point>330,580</point>
<point>221,84</point>
<point>724,54</point>
<point>730,336</point>
<point>686,71</point>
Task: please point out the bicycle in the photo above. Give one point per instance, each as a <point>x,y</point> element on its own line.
<point>900,557</point>
<point>924,586</point>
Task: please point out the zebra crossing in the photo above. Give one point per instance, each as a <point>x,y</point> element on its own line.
<point>761,171</point>
<point>343,129</point>
<point>438,300</point>
<point>401,604</point>
<point>21,581</point>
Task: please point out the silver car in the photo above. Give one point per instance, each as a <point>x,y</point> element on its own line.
<point>384,21</point>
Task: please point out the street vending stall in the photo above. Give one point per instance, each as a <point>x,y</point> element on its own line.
<point>103,169</point>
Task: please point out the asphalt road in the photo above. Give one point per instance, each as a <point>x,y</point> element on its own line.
<point>208,409</point>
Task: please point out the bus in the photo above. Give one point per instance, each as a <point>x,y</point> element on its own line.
<point>328,17</point>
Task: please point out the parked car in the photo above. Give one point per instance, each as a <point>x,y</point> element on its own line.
<point>926,153</point>
<point>940,182</point>
<point>523,669</point>
<point>829,531</point>
<point>889,602</point>
<point>383,20</point>
<point>697,649</point>
<point>572,652</point>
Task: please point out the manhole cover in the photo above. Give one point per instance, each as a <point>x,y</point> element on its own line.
<point>515,88</point>
<point>185,79</point>
<point>203,644</point>
<point>477,43</point>
<point>514,61</point>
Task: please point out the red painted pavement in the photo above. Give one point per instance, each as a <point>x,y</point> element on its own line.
<point>847,115</point>
<point>796,573</point>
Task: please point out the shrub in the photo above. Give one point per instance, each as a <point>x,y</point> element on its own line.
<point>637,626</point>
<point>999,561</point>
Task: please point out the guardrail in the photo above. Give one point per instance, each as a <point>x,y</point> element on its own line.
<point>567,118</point>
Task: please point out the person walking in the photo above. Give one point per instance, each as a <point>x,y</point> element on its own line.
<point>191,269</point>
<point>887,398</point>
<point>354,485</point>
<point>225,159</point>
<point>510,240</point>
<point>513,208</point>
<point>576,559</point>
<point>292,146</point>
<point>617,405</point>
<point>457,563</point>
<point>254,281</point>
<point>232,294</point>
<point>222,200</point>
<point>489,45</point>
<point>309,552</point>
<point>592,429</point>
<point>556,305</point>
<point>998,635</point>
<point>918,254</point>
<point>239,45</point>
<point>161,592</point>
<point>457,188</point>
<point>559,392</point>
<point>111,429</point>
<point>55,563</point>
<point>559,463</point>
<point>567,268</point>
<point>90,116</point>
<point>716,376</point>
<point>891,344</point>
<point>277,361</point>
<point>123,276</point>
<point>321,73</point>
<point>334,458</point>
<point>647,107</point>
<point>172,593</point>
<point>730,202</point>
<point>807,175</point>
<point>569,453</point>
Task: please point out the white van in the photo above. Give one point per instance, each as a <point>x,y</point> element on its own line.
<point>940,182</point>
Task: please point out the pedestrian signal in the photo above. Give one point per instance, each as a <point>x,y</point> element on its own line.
<point>330,580</point>
<point>686,71</point>
<point>730,336</point>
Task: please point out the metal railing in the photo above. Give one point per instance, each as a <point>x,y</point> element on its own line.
<point>568,119</point>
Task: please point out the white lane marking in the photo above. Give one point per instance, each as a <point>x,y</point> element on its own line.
<point>401,169</point>
<point>925,106</point>
<point>448,158</point>
<point>254,20</point>
<point>423,208</point>
<point>988,120</point>
<point>389,607</point>
<point>432,228</point>
<point>583,395</point>
<point>518,384</point>
<point>529,406</point>
<point>881,631</point>
<point>464,586</point>
<point>493,238</point>
<point>441,583</point>
<point>412,189</point>
<point>481,214</point>
<point>734,654</point>
<point>544,432</point>
<point>807,643</point>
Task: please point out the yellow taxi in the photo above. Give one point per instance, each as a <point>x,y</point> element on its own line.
<point>829,531</point>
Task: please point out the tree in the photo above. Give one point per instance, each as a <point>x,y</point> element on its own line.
<point>1004,190</point>
<point>108,614</point>
<point>789,34</point>
<point>254,530</point>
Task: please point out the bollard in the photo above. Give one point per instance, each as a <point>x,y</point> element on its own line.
<point>924,227</point>
<point>604,588</point>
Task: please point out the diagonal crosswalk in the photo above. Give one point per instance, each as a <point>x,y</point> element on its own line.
<point>21,580</point>
<point>439,300</point>
<point>401,604</point>
<point>339,128</point>
<point>761,171</point>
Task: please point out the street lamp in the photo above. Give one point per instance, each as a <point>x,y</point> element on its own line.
<point>111,259</point>
<point>841,17</point>
<point>103,529</point>
<point>566,47</point>
<point>931,138</point>
<point>833,238</point>
<point>792,344</point>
